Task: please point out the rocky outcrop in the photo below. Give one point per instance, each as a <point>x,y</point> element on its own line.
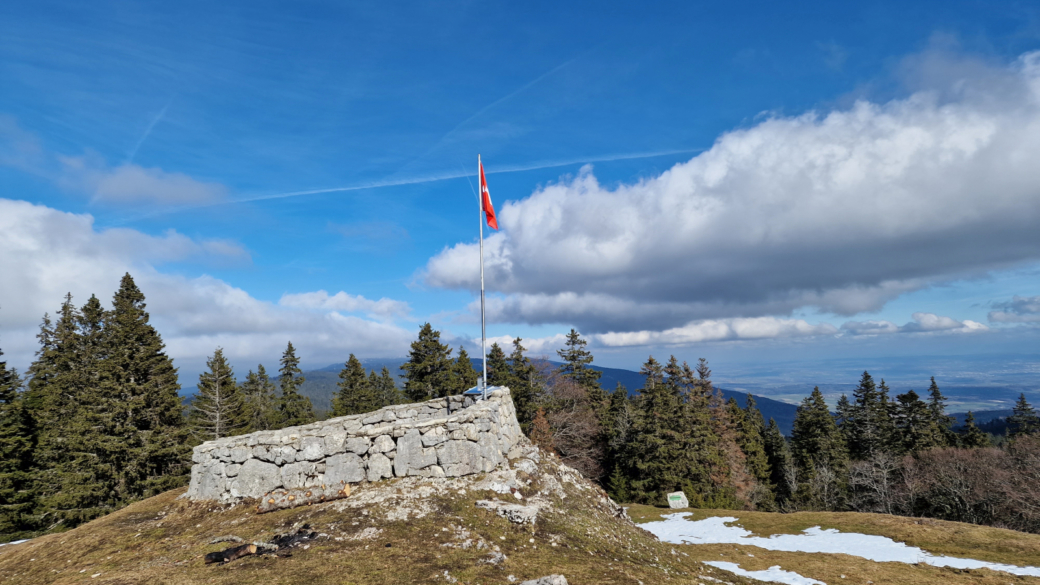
<point>447,437</point>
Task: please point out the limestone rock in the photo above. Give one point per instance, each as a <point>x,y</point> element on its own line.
<point>294,475</point>
<point>515,513</point>
<point>379,467</point>
<point>344,468</point>
<point>312,449</point>
<point>240,454</point>
<point>359,445</point>
<point>434,436</point>
<point>459,458</point>
<point>411,456</point>
<point>382,444</point>
<point>255,478</point>
<point>549,580</point>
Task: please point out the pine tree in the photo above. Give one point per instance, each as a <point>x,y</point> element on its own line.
<point>145,381</point>
<point>576,361</point>
<point>260,401</point>
<point>864,436</point>
<point>941,422</point>
<point>218,410</point>
<point>1023,419</point>
<point>356,394</point>
<point>497,367</point>
<point>428,370</point>
<point>973,437</point>
<point>914,423</point>
<point>16,453</point>
<point>463,376</point>
<point>294,408</point>
<point>524,381</point>
<point>885,420</point>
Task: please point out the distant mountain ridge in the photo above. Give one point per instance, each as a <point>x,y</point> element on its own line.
<point>320,386</point>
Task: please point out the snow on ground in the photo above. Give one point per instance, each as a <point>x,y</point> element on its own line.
<point>675,528</point>
<point>13,542</point>
<point>772,574</point>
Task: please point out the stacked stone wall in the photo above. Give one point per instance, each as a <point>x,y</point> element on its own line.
<point>447,437</point>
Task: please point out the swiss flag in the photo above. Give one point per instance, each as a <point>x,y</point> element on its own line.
<point>485,199</point>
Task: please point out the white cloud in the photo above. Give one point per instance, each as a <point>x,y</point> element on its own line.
<point>1017,310</point>
<point>840,212</point>
<point>718,330</point>
<point>48,253</point>
<point>341,301</point>
<point>922,323</point>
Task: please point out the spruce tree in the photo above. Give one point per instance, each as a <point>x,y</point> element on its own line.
<point>428,371</point>
<point>972,436</point>
<point>914,423</point>
<point>294,408</point>
<point>524,382</point>
<point>497,367</point>
<point>781,466</point>
<point>16,453</point>
<point>864,436</point>
<point>385,387</point>
<point>752,442</point>
<point>261,401</point>
<point>655,440</point>
<point>707,466</point>
<point>463,376</point>
<point>219,409</point>
<point>576,362</point>
<point>1023,419</point>
<point>356,395</point>
<point>816,443</point>
<point>886,421</point>
<point>941,422</point>
<point>144,379</point>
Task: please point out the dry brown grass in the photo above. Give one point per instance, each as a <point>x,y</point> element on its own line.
<point>163,540</point>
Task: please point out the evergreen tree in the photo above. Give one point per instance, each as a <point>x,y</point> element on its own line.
<point>356,394</point>
<point>865,428</point>
<point>941,422</point>
<point>385,388</point>
<point>781,466</point>
<point>1023,419</point>
<point>914,423</point>
<point>463,376</point>
<point>260,401</point>
<point>817,444</point>
<point>16,453</point>
<point>524,381</point>
<point>973,437</point>
<point>886,421</point>
<point>576,361</point>
<point>218,410</point>
<point>145,381</point>
<point>655,440</point>
<point>428,371</point>
<point>497,367</point>
<point>294,408</point>
<point>751,432</point>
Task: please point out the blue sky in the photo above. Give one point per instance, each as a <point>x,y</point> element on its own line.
<point>767,180</point>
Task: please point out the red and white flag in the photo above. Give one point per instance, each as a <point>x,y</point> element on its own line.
<point>485,200</point>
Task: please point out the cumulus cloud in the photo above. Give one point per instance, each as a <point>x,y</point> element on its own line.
<point>1017,310</point>
<point>837,211</point>
<point>341,301</point>
<point>719,330</point>
<point>922,323</point>
<point>49,252</point>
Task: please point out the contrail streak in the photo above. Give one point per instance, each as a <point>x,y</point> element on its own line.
<point>147,132</point>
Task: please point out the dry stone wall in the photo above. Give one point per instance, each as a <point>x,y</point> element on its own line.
<point>447,437</point>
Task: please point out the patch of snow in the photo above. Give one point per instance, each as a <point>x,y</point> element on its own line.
<point>773,574</point>
<point>675,528</point>
<point>14,542</point>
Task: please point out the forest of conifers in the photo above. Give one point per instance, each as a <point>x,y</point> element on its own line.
<point>97,422</point>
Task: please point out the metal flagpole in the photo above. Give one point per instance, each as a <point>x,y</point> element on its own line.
<point>483,335</point>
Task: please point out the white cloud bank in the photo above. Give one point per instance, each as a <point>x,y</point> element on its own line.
<point>49,252</point>
<point>922,323</point>
<point>839,212</point>
<point>1017,310</point>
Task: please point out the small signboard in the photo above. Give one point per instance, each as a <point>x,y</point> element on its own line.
<point>678,500</point>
